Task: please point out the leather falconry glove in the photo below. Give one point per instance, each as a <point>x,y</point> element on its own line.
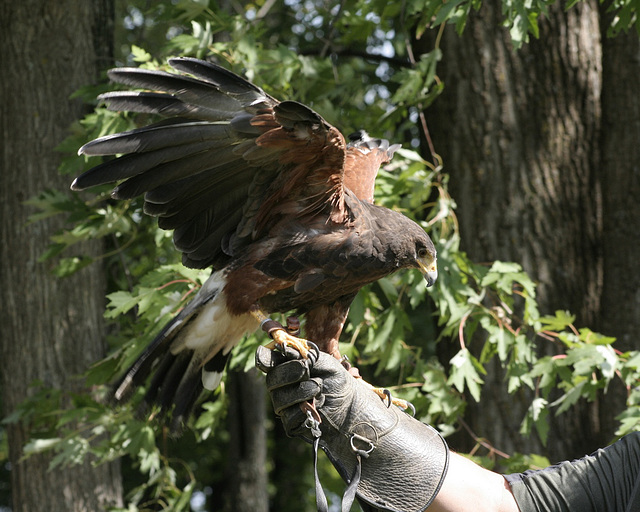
<point>391,461</point>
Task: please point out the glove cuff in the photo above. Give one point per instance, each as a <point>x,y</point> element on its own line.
<point>403,461</point>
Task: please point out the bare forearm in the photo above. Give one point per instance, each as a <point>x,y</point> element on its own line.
<point>471,488</point>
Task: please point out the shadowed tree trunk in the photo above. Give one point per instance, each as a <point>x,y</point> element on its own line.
<point>246,467</point>
<point>518,132</point>
<point>292,475</point>
<point>51,327</point>
<point>619,173</point>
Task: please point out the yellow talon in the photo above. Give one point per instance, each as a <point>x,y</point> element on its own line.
<point>281,337</point>
<point>386,396</point>
<point>284,339</point>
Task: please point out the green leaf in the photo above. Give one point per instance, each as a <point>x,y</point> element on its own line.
<point>68,266</point>
<point>119,303</point>
<point>465,373</point>
<point>629,420</point>
<point>73,451</point>
<point>571,397</point>
<point>36,445</point>
<point>445,12</point>
<point>519,462</point>
<point>390,291</point>
<point>594,338</point>
<point>559,322</point>
<point>546,369</point>
<point>499,336</point>
<point>537,416</point>
<point>382,335</point>
<point>139,54</point>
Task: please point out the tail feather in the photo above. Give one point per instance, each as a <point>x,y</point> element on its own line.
<point>212,371</point>
<point>169,383</point>
<point>140,370</point>
<point>189,354</point>
<point>166,362</point>
<point>191,387</point>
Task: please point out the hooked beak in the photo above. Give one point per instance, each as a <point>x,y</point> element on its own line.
<point>429,270</point>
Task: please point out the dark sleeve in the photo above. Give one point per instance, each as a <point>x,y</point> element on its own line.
<point>608,480</point>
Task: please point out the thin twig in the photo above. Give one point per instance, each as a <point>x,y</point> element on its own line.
<point>482,442</point>
<point>332,30</point>
<point>265,9</point>
<point>461,330</point>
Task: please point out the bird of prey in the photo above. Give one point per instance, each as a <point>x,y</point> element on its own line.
<point>267,194</point>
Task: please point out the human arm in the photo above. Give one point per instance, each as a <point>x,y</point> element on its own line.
<point>469,487</point>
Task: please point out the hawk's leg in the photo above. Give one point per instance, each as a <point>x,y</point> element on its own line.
<point>284,336</point>
<point>288,337</point>
<point>383,393</point>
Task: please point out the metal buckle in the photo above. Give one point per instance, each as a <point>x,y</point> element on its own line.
<point>369,443</point>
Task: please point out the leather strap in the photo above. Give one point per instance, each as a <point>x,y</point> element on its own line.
<point>321,498</point>
<point>313,424</point>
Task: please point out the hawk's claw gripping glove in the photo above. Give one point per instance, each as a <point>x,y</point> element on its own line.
<point>393,462</point>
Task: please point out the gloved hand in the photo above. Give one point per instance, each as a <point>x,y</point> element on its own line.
<point>394,462</point>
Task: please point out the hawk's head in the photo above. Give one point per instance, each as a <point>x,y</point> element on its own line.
<point>425,258</point>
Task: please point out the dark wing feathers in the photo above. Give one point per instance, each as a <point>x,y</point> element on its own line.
<point>290,113</point>
<point>191,173</point>
<point>178,203</point>
<point>218,76</point>
<point>163,104</point>
<point>229,161</point>
<point>156,137</point>
<point>188,90</point>
<point>211,242</point>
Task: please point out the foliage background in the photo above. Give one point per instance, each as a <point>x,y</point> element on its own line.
<point>354,63</point>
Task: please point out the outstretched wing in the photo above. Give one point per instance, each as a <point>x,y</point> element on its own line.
<point>364,158</point>
<point>227,163</point>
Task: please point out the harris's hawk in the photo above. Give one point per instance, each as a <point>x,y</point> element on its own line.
<point>269,195</point>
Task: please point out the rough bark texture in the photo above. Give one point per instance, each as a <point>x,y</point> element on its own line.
<point>518,132</point>
<point>52,328</point>
<point>620,176</point>
<point>619,173</point>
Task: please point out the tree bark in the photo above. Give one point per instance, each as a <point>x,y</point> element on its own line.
<point>247,462</point>
<point>52,328</point>
<point>619,173</point>
<point>518,133</point>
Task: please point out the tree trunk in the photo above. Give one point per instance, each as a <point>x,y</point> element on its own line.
<point>292,475</point>
<point>52,328</point>
<point>518,132</point>
<point>247,463</point>
<point>620,177</point>
<point>619,173</point>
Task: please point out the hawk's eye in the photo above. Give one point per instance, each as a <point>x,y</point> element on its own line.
<point>422,253</point>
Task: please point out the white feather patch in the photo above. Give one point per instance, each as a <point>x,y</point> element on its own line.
<point>212,329</point>
<point>211,380</point>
